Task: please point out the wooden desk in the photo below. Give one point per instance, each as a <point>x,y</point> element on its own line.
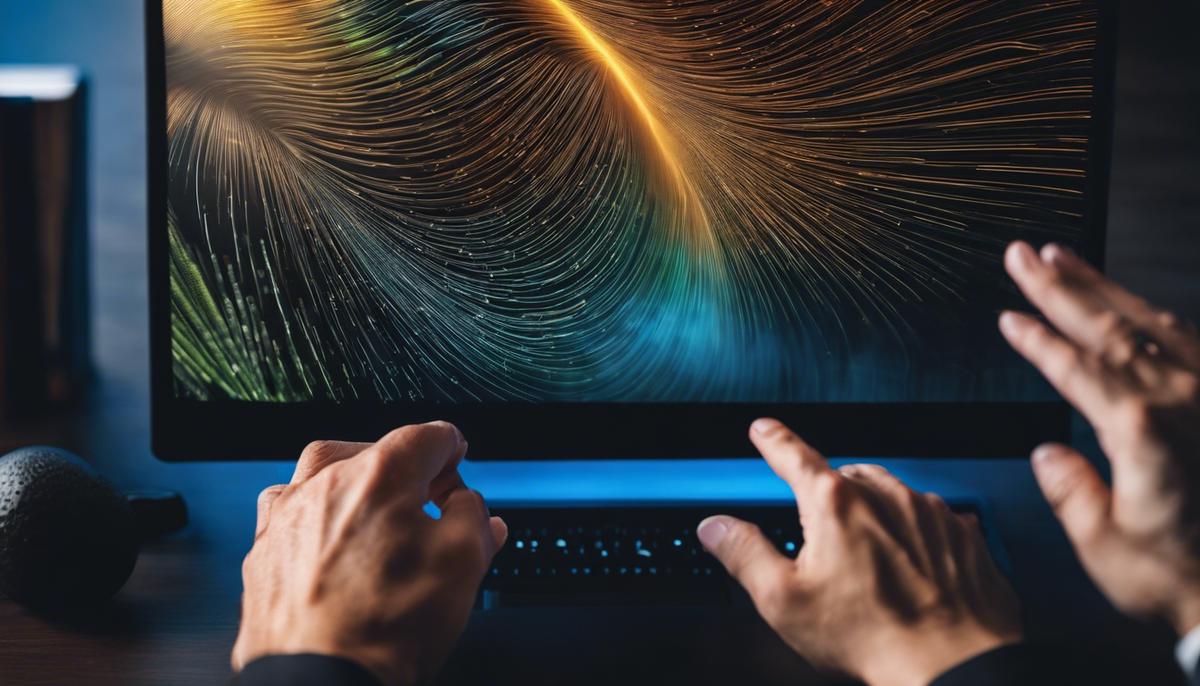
<point>171,625</point>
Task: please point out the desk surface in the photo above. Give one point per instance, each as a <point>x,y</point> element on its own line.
<point>175,621</point>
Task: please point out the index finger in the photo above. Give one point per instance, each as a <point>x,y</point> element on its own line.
<point>423,452</point>
<point>1093,391</point>
<point>793,460</point>
<point>320,454</point>
<point>1077,309</point>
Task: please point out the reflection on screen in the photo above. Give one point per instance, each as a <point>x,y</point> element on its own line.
<point>614,200</point>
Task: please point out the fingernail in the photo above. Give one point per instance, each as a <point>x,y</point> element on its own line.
<point>1043,453</point>
<point>712,531</point>
<point>1021,255</point>
<point>1059,255</point>
<point>1011,323</point>
<point>764,425</point>
<point>1052,253</point>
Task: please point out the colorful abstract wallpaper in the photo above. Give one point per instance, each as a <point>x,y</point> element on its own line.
<point>615,200</point>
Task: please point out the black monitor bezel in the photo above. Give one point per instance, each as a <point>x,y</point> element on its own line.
<point>188,430</point>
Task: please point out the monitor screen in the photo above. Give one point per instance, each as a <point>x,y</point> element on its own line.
<point>638,203</point>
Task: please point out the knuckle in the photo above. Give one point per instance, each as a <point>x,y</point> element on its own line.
<point>1046,283</point>
<point>373,469</point>
<point>935,502</point>
<point>461,539</point>
<point>1066,360</point>
<point>472,499</point>
<point>430,430</point>
<point>480,502</point>
<point>910,499</point>
<point>1119,338</point>
<point>269,493</point>
<point>377,461</point>
<point>788,447</point>
<point>737,538</point>
<point>1089,363</point>
<point>1035,335</point>
<point>317,450</point>
<point>1188,386</point>
<point>249,562</point>
<point>1111,324</point>
<point>1059,490</point>
<point>833,490</point>
<point>1075,369</point>
<point>440,426</point>
<point>463,546</point>
<point>966,526</point>
<point>405,436</point>
<point>399,436</point>
<point>1170,320</point>
<point>1120,352</point>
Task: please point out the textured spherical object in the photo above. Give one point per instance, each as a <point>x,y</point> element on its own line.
<point>67,538</point>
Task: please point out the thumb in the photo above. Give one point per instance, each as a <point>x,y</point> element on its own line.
<point>1080,498</point>
<point>265,499</point>
<point>745,553</point>
<point>499,531</point>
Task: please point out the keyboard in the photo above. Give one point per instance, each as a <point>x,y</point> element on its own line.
<point>644,554</point>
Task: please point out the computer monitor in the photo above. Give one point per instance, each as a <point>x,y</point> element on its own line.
<point>612,228</point>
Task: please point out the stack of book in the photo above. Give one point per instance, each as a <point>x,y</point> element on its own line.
<point>44,326</point>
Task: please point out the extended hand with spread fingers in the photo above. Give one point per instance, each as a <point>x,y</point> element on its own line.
<point>1134,372</point>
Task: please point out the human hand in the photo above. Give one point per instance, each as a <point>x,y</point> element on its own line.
<point>347,563</point>
<point>1134,373</point>
<point>890,586</point>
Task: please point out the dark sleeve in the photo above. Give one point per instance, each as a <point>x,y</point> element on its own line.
<point>1020,664</point>
<point>1195,678</point>
<point>304,670</point>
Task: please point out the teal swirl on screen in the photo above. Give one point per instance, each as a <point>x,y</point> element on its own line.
<point>614,200</point>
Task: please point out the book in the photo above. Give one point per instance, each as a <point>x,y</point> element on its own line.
<point>44,326</point>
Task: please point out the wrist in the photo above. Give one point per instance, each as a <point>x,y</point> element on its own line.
<point>919,657</point>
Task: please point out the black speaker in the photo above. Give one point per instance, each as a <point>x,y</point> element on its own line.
<point>68,539</point>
